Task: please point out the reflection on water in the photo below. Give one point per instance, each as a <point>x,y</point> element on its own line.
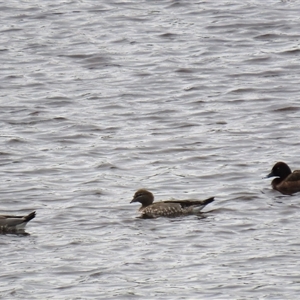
<point>11,230</point>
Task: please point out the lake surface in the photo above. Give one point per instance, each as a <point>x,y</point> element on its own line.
<point>188,100</point>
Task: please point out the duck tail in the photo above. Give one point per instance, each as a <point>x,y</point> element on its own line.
<point>30,216</point>
<point>208,200</point>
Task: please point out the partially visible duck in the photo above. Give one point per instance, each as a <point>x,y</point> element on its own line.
<point>169,208</point>
<point>15,222</point>
<point>287,182</point>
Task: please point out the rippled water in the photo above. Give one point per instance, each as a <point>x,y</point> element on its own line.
<point>188,100</point>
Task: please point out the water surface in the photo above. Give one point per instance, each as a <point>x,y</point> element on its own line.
<point>189,100</point>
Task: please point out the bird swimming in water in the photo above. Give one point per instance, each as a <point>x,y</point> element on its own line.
<point>168,208</point>
<point>287,182</point>
<point>15,223</point>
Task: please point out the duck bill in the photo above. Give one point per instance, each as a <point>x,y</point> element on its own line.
<point>270,175</point>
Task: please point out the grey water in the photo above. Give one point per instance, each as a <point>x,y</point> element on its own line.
<point>189,99</point>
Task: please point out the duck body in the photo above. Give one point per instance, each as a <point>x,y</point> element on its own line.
<point>15,222</point>
<point>287,182</point>
<point>169,208</point>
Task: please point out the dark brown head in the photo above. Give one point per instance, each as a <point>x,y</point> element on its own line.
<point>281,170</point>
<point>144,197</point>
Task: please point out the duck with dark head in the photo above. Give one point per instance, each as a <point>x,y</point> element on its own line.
<point>169,208</point>
<point>287,182</point>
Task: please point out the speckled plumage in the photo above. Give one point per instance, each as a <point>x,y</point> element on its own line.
<point>288,182</point>
<point>169,208</point>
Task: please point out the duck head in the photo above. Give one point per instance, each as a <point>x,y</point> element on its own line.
<point>144,197</point>
<point>281,170</point>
